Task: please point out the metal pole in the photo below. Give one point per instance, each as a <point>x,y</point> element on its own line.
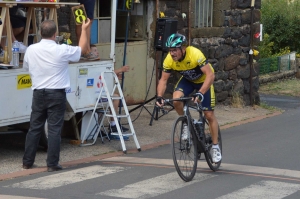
<point>113,29</point>
<point>157,8</point>
<point>124,57</point>
<point>251,54</point>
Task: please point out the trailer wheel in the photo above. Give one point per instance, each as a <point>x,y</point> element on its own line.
<point>44,137</point>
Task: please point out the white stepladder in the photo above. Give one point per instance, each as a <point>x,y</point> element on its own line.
<point>109,111</point>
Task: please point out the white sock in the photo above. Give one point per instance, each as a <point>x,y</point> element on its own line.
<point>112,123</point>
<point>215,146</point>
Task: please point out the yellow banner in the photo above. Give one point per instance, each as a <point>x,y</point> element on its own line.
<point>23,81</point>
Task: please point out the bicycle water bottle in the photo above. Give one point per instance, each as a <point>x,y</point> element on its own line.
<point>199,127</point>
<point>15,56</point>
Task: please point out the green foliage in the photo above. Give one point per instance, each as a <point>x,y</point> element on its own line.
<point>280,19</point>
<point>282,51</point>
<point>266,47</point>
<point>268,65</point>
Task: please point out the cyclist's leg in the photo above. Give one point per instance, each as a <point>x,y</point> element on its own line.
<point>208,105</point>
<point>182,88</point>
<point>213,125</point>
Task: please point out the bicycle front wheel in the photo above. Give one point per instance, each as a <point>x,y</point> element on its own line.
<point>184,152</point>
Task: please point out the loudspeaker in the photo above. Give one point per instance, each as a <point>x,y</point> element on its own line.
<point>164,28</point>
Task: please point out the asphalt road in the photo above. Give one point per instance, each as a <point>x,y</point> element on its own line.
<point>260,160</point>
<point>283,102</point>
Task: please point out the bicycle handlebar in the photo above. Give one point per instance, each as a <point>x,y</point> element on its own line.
<point>183,99</point>
<point>178,99</point>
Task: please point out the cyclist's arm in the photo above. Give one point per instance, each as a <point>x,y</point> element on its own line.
<point>162,83</point>
<point>209,80</point>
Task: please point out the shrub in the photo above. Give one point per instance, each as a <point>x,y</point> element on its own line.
<point>280,19</point>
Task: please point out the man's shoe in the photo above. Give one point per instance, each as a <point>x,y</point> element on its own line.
<point>82,57</point>
<point>26,166</point>
<point>215,155</point>
<point>22,47</point>
<point>184,135</point>
<point>115,130</point>
<point>103,134</point>
<point>55,168</point>
<point>90,57</point>
<point>117,137</point>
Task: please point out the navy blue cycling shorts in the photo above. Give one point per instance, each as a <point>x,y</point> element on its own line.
<point>188,87</point>
<point>89,6</point>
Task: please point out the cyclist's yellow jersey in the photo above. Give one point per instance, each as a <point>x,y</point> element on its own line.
<point>190,66</point>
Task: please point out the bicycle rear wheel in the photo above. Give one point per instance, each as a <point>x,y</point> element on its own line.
<point>184,152</point>
<point>208,142</point>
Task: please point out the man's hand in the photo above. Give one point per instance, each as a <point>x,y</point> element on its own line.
<point>159,101</point>
<point>121,70</point>
<point>125,69</point>
<point>86,24</point>
<point>198,97</point>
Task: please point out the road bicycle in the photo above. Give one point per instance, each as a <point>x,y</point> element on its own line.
<point>186,152</point>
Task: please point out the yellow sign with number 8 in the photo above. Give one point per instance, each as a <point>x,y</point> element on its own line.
<point>80,17</point>
<point>128,4</point>
<point>79,14</point>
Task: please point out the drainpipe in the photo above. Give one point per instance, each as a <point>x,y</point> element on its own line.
<point>157,10</point>
<point>156,53</point>
<point>189,24</point>
<point>113,29</point>
<point>251,53</point>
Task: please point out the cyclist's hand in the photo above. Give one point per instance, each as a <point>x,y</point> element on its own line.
<point>159,101</point>
<point>198,97</point>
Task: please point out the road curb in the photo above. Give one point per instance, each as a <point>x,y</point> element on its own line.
<point>226,126</point>
<point>120,153</point>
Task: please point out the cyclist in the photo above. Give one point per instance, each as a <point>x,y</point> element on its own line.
<point>197,74</point>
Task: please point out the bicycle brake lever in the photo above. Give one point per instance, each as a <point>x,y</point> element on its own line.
<point>164,112</point>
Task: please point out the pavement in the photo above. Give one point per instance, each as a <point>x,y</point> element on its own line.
<point>158,134</point>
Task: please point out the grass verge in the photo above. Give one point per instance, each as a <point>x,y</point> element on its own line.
<point>289,87</point>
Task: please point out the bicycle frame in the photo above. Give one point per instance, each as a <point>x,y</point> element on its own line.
<point>201,146</point>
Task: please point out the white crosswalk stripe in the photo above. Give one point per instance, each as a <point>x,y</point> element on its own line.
<point>232,167</point>
<point>155,186</point>
<point>68,177</point>
<point>163,184</point>
<point>17,197</point>
<point>264,189</point>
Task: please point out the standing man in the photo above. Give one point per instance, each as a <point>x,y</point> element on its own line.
<point>47,63</point>
<point>89,6</point>
<point>197,74</point>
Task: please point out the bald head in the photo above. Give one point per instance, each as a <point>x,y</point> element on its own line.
<point>48,29</point>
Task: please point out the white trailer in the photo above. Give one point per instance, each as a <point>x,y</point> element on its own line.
<point>16,92</point>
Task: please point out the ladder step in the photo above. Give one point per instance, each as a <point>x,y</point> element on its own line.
<point>114,97</point>
<point>118,116</point>
<point>104,102</point>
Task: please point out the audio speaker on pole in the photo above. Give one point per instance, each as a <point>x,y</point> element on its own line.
<point>164,28</point>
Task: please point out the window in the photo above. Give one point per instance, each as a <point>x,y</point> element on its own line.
<point>102,22</point>
<point>203,13</point>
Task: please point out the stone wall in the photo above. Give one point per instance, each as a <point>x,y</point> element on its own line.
<point>226,45</point>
